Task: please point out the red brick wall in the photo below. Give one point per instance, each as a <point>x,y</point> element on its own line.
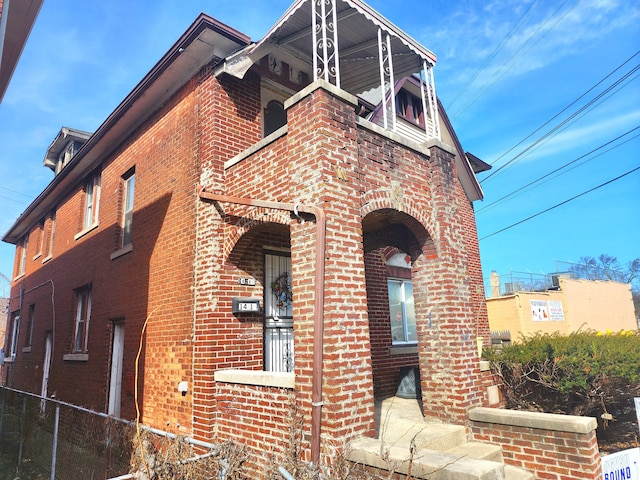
<point>263,418</point>
<point>152,280</point>
<point>549,454</point>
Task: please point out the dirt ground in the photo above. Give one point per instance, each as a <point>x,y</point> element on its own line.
<point>620,433</point>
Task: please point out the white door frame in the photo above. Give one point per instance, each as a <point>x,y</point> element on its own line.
<point>46,368</point>
<point>115,382</point>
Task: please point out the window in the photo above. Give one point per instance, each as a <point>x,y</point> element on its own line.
<point>83,313</point>
<point>39,239</point>
<point>51,233</point>
<point>275,117</point>
<point>409,107</point>
<point>15,329</point>
<point>28,336</point>
<point>401,311</point>
<point>127,217</point>
<point>92,201</point>
<point>22,259</point>
<point>66,154</point>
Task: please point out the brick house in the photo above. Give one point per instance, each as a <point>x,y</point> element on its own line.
<point>261,221</point>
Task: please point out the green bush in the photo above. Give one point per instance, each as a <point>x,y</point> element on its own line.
<point>582,373</point>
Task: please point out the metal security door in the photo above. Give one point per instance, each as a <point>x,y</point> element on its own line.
<point>278,311</point>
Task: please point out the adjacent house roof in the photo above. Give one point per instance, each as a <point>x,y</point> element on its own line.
<point>65,136</point>
<point>16,19</point>
<point>206,40</point>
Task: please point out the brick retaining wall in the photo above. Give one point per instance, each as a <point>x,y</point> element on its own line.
<point>562,447</point>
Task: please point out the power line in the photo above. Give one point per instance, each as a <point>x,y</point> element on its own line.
<point>566,108</point>
<point>517,55</point>
<point>556,129</point>
<point>493,54</point>
<point>514,192</point>
<point>560,204</point>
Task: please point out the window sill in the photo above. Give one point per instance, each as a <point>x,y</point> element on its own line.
<point>76,357</point>
<point>19,276</point>
<point>37,256</point>
<point>85,231</point>
<point>47,258</point>
<point>122,251</point>
<point>9,359</point>
<point>257,377</point>
<point>408,349</point>
<point>26,349</point>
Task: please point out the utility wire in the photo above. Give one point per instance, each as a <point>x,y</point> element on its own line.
<point>560,204</point>
<point>573,120</point>
<point>493,54</point>
<point>555,129</point>
<point>514,192</point>
<point>517,55</point>
<point>566,108</point>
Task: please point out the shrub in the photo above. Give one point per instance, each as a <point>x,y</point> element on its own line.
<point>579,374</point>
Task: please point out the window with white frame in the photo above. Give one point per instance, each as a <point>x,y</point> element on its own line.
<point>127,210</point>
<point>15,329</point>
<point>401,311</point>
<point>22,259</point>
<point>92,201</point>
<point>66,154</point>
<point>83,314</point>
<point>39,239</point>
<point>52,230</point>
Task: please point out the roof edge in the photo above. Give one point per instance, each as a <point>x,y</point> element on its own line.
<point>86,158</point>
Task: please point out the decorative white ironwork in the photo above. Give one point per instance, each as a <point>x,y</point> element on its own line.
<point>433,131</point>
<point>386,78</point>
<point>326,61</point>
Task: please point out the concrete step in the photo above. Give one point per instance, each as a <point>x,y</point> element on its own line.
<point>478,450</point>
<point>433,436</point>
<point>515,473</point>
<point>423,463</point>
<point>408,443</point>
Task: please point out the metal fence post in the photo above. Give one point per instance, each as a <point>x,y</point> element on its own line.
<point>54,450</point>
<point>24,415</point>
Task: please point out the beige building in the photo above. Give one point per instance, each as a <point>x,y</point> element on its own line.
<point>570,306</point>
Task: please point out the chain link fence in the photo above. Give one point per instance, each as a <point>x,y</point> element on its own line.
<point>46,439</point>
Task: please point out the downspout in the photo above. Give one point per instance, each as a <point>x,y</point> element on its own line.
<point>318,311</point>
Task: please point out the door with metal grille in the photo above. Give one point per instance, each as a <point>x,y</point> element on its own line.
<point>278,311</point>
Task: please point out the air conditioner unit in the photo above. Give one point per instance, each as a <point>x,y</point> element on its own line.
<point>513,287</point>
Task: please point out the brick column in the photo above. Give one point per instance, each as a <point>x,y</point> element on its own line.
<point>322,162</point>
<point>446,283</point>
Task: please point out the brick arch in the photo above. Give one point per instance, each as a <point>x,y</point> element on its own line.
<point>388,198</point>
<point>237,226</point>
<point>413,218</point>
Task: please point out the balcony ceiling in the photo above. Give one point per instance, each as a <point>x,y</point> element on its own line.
<point>358,25</point>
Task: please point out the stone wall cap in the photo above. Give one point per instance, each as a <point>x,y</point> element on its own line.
<point>324,85</point>
<point>256,377</point>
<point>537,420</point>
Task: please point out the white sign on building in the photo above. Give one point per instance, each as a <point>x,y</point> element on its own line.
<point>624,465</point>
<point>556,313</point>
<point>539,310</point>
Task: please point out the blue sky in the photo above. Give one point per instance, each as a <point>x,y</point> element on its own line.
<point>505,69</point>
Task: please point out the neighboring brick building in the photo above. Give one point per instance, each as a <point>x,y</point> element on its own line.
<point>264,230</point>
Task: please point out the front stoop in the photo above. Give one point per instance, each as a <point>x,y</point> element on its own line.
<point>407,444</point>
